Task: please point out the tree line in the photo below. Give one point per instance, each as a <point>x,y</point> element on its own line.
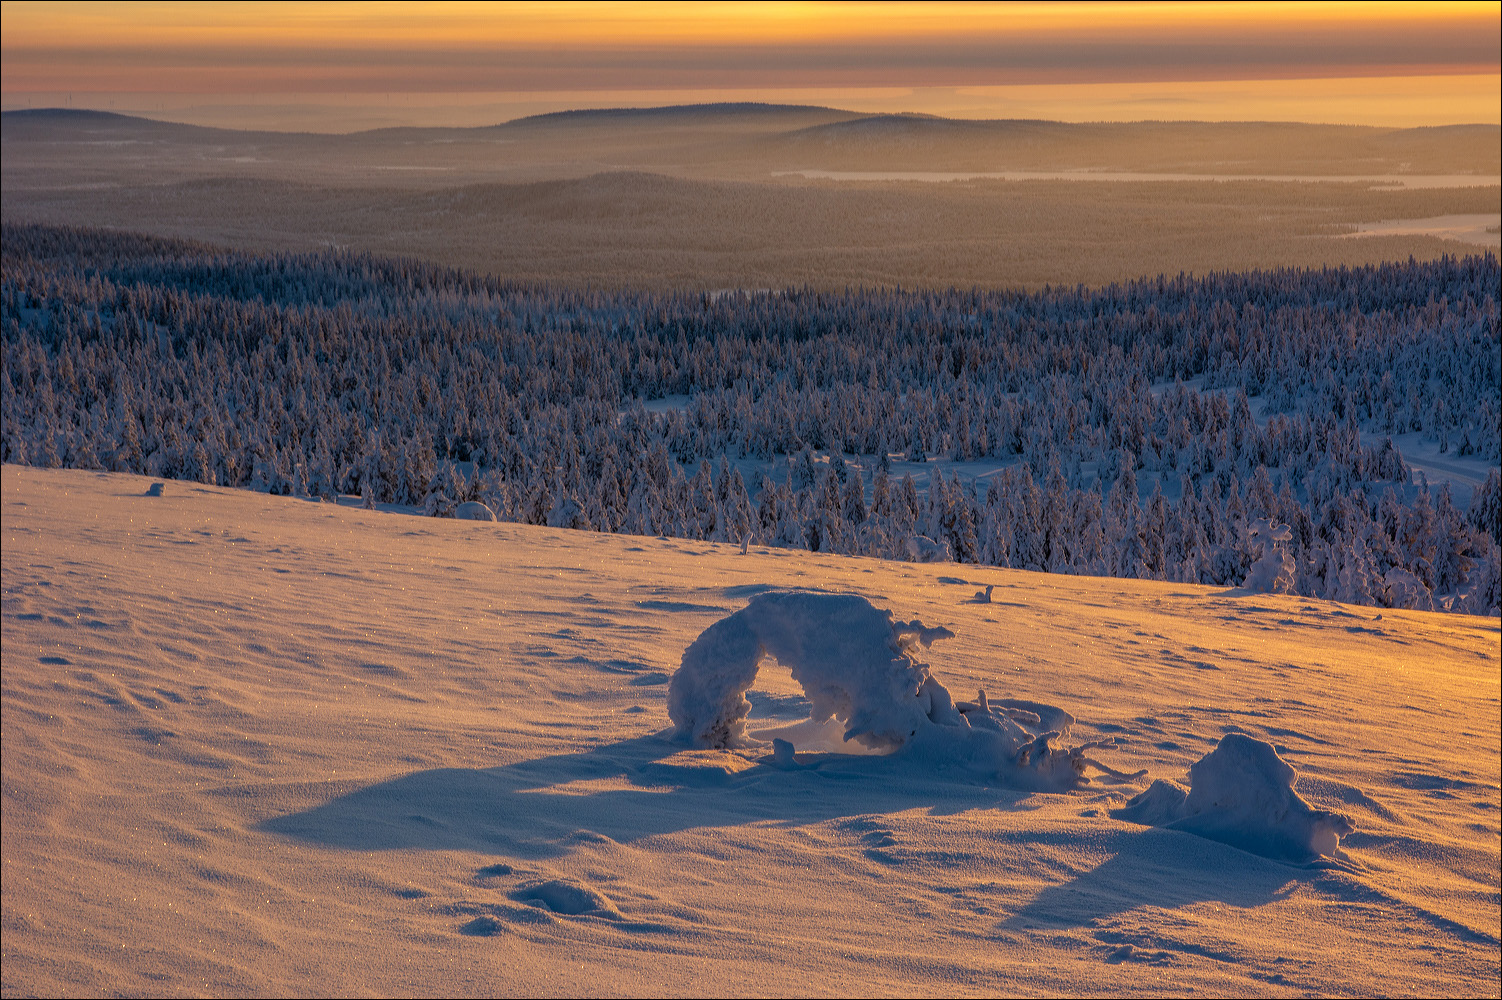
<point>1116,425</point>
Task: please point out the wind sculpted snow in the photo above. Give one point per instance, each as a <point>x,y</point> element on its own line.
<point>859,667</point>
<point>260,745</point>
<point>1242,794</point>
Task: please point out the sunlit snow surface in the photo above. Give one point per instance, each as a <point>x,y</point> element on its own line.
<point>260,745</point>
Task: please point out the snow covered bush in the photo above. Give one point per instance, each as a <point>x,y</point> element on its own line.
<point>1405,590</point>
<point>1273,572</point>
<point>473,510</point>
<point>921,548</point>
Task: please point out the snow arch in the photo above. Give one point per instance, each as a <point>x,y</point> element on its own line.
<point>858,665</point>
<point>854,663</point>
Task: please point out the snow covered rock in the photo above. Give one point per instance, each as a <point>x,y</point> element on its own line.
<point>1241,793</point>
<point>857,665</point>
<point>473,510</point>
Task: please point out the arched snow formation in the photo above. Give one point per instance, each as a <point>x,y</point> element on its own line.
<point>856,664</point>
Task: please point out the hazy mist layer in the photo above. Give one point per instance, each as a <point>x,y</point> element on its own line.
<point>714,196</point>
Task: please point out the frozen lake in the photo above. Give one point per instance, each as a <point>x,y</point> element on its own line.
<point>1479,230</point>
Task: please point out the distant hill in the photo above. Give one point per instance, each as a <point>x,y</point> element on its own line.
<point>46,123</point>
<point>688,112</point>
<point>912,142</point>
<point>729,195</point>
<point>749,139</point>
<point>64,114</point>
<point>738,114</point>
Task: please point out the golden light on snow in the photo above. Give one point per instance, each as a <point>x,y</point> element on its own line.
<point>355,755</point>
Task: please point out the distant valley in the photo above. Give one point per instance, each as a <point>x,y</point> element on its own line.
<point>743,196</point>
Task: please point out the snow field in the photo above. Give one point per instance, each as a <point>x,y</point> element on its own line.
<point>254,744</point>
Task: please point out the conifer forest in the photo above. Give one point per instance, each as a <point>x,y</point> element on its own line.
<point>1235,429</point>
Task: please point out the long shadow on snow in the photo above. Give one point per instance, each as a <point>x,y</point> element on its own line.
<point>1166,869</point>
<point>1170,869</point>
<point>541,808</point>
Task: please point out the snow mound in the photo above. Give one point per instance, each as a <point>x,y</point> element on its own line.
<point>1160,805</point>
<point>857,665</point>
<point>567,897</point>
<point>473,510</point>
<point>1241,793</point>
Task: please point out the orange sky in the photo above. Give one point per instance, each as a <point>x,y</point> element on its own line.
<point>1215,56</point>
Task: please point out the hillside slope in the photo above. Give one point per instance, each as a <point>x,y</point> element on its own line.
<point>255,744</point>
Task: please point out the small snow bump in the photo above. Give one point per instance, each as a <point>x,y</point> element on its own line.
<point>567,897</point>
<point>481,927</point>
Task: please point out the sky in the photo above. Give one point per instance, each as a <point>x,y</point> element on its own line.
<point>340,66</point>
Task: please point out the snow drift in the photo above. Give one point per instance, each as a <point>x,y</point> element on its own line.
<point>1241,793</point>
<point>856,664</point>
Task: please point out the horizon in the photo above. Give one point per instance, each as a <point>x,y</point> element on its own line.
<point>326,119</point>
<point>322,67</point>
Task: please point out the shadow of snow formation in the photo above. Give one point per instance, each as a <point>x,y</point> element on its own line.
<point>1159,869</point>
<point>642,787</point>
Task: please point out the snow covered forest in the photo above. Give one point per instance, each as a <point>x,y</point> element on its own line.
<point>1236,429</point>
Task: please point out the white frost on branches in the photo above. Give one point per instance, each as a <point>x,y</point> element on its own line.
<point>1273,572</point>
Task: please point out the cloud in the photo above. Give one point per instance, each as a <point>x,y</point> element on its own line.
<point>532,47</point>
